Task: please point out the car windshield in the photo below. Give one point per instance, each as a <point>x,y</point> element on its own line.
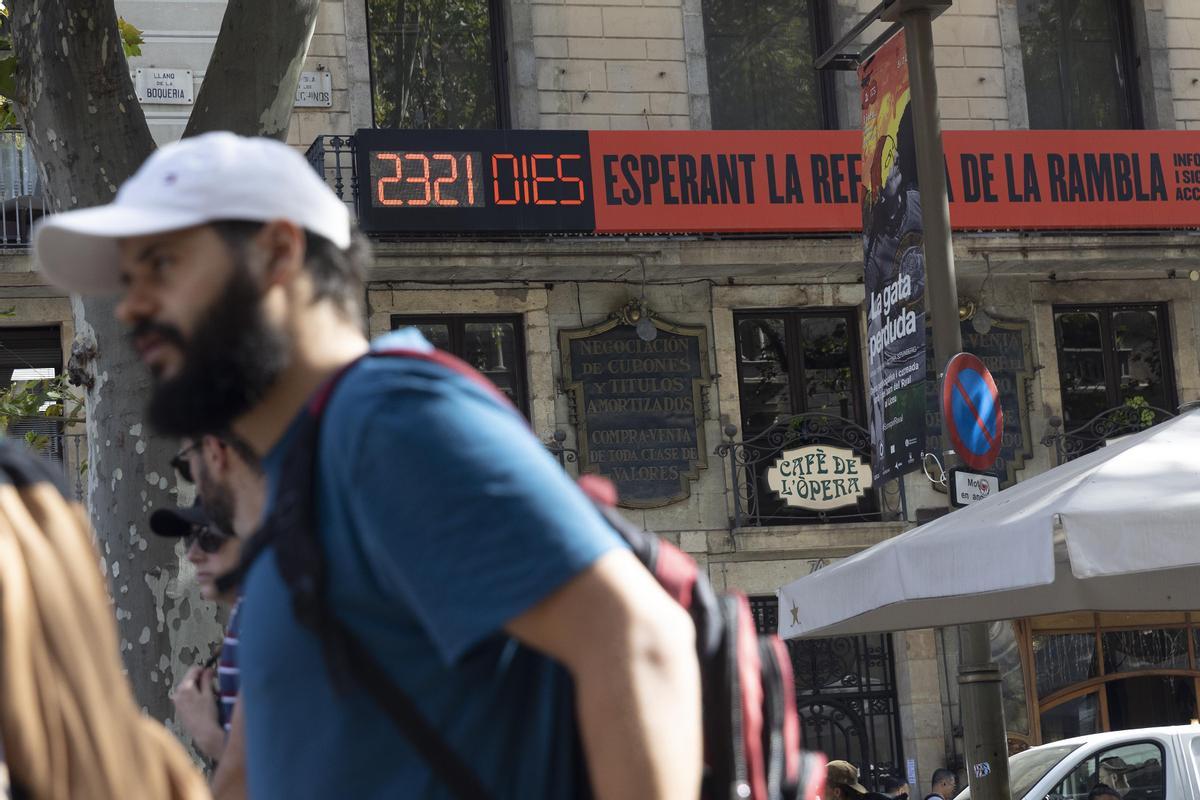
<point>1027,768</point>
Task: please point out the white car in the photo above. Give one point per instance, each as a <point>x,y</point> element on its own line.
<point>1141,764</point>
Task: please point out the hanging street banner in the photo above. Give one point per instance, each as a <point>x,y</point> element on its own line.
<point>894,265</point>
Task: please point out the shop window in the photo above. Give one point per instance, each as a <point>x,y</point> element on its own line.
<point>1076,717</point>
<point>797,362</point>
<point>760,65</point>
<point>494,345</point>
<point>1006,653</point>
<point>1107,672</point>
<point>1079,64</point>
<point>1063,659</point>
<point>437,64</point>
<point>1113,356</point>
<point>1146,701</point>
<point>1134,770</point>
<point>1157,648</point>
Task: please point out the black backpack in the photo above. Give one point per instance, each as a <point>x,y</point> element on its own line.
<point>751,727</point>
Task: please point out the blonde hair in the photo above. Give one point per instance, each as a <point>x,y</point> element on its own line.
<point>69,723</point>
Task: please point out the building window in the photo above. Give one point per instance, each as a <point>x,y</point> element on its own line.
<point>437,64</point>
<point>799,384</point>
<point>845,695</point>
<point>1113,356</point>
<point>797,362</point>
<point>1110,671</point>
<point>494,345</point>
<point>760,65</point>
<point>33,354</point>
<point>1079,64</point>
<point>28,354</point>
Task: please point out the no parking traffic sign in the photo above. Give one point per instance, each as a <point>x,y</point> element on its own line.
<point>971,411</point>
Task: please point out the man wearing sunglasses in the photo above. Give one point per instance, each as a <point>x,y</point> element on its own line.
<point>212,552</point>
<point>227,475</point>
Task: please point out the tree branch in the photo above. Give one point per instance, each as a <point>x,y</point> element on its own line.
<point>73,79</point>
<point>250,84</point>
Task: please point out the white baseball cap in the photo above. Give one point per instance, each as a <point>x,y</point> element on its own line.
<point>207,178</point>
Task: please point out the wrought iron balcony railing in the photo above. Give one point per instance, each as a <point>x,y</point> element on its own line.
<point>333,157</point>
<point>754,502</point>
<point>1099,430</point>
<point>21,199</point>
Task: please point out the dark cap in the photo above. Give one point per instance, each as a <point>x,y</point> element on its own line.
<point>177,522</point>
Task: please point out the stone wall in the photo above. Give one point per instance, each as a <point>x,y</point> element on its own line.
<point>610,64</point>
<point>1182,20</point>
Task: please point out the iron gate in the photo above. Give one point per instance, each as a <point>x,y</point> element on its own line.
<point>846,696</point>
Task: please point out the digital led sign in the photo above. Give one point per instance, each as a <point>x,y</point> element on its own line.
<point>629,182</point>
<point>485,181</point>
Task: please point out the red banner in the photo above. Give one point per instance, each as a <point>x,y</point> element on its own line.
<point>658,181</point>
<point>810,181</point>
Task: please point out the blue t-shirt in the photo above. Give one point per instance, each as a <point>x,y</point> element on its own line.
<point>441,518</point>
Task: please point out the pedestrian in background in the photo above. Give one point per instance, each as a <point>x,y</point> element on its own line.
<point>945,785</point>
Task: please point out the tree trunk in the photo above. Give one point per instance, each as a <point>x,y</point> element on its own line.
<point>250,84</point>
<point>75,98</point>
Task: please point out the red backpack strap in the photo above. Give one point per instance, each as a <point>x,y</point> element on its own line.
<point>316,405</point>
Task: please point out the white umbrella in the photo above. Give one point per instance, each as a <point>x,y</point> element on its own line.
<point>1115,530</point>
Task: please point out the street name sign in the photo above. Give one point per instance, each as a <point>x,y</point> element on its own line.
<point>163,86</point>
<point>315,90</point>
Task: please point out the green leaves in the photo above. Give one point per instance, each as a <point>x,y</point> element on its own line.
<point>131,37</point>
<point>50,397</point>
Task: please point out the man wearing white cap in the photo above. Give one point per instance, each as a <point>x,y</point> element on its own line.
<point>494,595</point>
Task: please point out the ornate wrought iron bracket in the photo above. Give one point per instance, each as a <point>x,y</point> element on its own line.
<point>1119,421</point>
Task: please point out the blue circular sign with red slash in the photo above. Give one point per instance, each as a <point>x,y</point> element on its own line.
<point>971,411</point>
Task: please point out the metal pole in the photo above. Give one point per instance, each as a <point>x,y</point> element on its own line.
<point>978,677</point>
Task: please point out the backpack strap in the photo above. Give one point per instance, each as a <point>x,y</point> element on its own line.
<point>291,529</point>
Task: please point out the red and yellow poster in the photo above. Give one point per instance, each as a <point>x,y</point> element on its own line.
<point>894,265</point>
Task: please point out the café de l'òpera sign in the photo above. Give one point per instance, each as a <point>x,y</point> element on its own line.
<point>819,477</point>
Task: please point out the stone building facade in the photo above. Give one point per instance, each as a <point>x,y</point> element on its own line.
<point>1046,300</point>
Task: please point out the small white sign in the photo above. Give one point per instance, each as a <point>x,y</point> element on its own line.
<point>971,487</point>
<point>164,86</point>
<point>819,477</point>
<point>315,90</point>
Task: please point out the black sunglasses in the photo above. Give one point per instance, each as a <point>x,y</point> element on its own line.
<point>182,465</point>
<point>210,541</point>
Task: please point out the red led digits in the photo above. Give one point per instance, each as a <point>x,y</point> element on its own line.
<point>529,179</point>
<point>431,179</point>
<point>385,180</point>
<point>470,182</point>
<point>516,198</point>
<point>424,159</point>
<point>541,201</point>
<point>570,179</point>
<point>438,200</point>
